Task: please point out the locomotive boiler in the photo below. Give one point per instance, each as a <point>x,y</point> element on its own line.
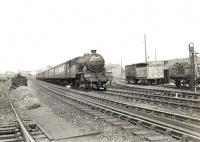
<point>87,71</point>
<point>91,62</point>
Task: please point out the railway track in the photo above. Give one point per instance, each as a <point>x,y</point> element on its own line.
<point>126,114</point>
<point>160,91</point>
<point>20,130</point>
<point>155,98</point>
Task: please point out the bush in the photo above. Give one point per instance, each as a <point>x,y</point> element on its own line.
<point>18,80</point>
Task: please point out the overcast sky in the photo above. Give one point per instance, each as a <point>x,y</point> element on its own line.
<point>37,33</point>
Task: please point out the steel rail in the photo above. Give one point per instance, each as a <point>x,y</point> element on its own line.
<point>172,101</point>
<point>166,91</point>
<point>143,93</point>
<point>139,109</point>
<point>173,130</point>
<point>26,134</point>
<point>173,115</point>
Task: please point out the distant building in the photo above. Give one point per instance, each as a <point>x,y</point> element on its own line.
<point>3,77</point>
<point>10,74</point>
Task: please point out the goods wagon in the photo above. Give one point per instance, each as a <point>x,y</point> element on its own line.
<point>130,71</point>
<point>87,71</point>
<point>144,73</point>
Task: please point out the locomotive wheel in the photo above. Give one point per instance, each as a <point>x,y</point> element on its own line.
<point>191,84</point>
<point>178,83</point>
<point>135,81</point>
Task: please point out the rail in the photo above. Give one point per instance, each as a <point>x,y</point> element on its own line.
<point>176,129</point>
<point>142,96</point>
<point>165,91</point>
<point>26,134</point>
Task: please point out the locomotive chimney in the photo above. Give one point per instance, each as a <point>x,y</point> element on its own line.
<point>93,51</point>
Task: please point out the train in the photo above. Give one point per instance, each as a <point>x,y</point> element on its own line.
<point>162,72</point>
<point>87,71</point>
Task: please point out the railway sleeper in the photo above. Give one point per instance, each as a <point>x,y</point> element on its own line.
<point>156,138</point>
<point>148,125</point>
<point>157,113</point>
<point>161,130</point>
<point>139,122</point>
<point>128,127</point>
<point>10,133</point>
<point>12,140</point>
<point>164,93</point>
<point>141,133</point>
<point>9,136</point>
<point>166,101</point>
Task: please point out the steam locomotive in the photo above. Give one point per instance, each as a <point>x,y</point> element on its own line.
<point>182,75</point>
<point>86,72</point>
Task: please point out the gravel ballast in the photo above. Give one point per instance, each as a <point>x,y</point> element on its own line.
<point>6,114</point>
<point>24,99</point>
<point>83,121</point>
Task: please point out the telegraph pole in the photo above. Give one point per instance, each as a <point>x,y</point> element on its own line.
<point>145,48</point>
<point>156,66</point>
<point>121,69</point>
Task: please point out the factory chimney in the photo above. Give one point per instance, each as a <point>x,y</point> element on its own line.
<point>93,51</point>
